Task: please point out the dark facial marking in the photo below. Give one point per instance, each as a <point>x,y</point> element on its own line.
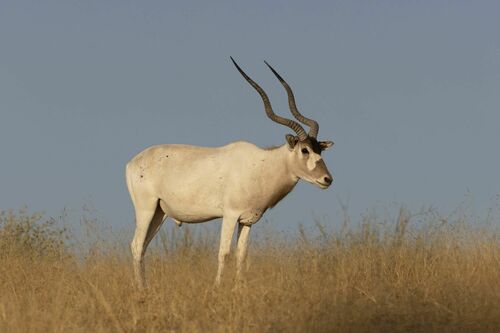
<point>313,144</point>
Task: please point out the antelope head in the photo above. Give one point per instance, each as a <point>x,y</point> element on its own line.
<point>304,149</point>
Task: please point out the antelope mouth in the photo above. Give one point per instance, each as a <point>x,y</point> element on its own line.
<point>322,185</point>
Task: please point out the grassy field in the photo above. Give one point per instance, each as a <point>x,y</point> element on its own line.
<point>409,273</point>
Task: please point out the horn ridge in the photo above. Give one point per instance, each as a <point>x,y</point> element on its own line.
<point>313,125</point>
<point>295,126</point>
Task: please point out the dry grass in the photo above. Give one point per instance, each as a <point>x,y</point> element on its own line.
<point>418,274</point>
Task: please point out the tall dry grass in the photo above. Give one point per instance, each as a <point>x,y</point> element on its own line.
<point>419,273</point>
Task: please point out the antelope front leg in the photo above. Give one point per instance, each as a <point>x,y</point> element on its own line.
<point>226,235</point>
<point>241,249</point>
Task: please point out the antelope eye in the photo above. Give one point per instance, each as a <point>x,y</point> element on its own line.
<point>305,151</point>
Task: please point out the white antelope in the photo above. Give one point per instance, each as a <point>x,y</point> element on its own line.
<point>238,182</point>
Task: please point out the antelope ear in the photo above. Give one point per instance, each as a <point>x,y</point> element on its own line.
<point>291,140</point>
<point>324,145</point>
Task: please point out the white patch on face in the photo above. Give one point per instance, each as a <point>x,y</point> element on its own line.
<point>311,162</point>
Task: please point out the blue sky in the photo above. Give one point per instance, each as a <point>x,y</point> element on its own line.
<point>409,92</point>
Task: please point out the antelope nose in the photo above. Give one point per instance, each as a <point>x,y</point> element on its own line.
<point>327,180</point>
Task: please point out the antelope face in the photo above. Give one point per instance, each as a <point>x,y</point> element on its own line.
<point>307,162</point>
